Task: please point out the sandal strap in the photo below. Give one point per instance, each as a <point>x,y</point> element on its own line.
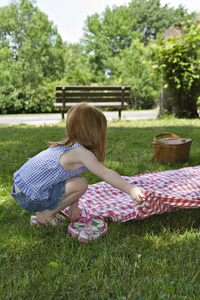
<point>54,221</point>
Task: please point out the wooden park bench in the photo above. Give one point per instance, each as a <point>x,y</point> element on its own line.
<point>99,96</point>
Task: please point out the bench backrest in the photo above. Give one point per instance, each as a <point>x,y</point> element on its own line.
<point>94,94</point>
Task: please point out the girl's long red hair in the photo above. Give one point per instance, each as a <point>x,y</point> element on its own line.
<point>85,125</point>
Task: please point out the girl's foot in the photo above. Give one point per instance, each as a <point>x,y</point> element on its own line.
<point>54,221</point>
<point>41,220</point>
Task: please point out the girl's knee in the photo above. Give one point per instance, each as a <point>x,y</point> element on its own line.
<point>83,185</point>
<point>76,184</point>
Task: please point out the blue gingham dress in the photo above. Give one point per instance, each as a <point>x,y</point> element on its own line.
<point>43,171</point>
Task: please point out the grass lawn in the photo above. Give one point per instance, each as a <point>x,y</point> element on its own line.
<point>156,258</point>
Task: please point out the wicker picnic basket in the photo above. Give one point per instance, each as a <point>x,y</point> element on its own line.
<point>171,149</point>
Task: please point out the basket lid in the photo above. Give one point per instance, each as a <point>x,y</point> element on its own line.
<point>173,141</point>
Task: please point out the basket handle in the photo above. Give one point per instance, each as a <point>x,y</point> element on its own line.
<point>168,134</point>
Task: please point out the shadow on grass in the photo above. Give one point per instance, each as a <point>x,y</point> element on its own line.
<point>129,150</point>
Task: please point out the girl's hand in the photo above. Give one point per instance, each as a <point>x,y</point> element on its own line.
<point>138,195</point>
<point>73,212</point>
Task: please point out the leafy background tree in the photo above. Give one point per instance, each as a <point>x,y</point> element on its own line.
<point>77,66</point>
<point>106,34</point>
<point>152,19</point>
<point>179,60</point>
<point>33,57</point>
<point>118,47</point>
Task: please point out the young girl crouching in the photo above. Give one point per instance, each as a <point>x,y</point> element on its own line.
<point>51,180</point>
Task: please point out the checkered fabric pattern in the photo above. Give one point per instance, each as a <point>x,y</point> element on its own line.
<point>166,191</point>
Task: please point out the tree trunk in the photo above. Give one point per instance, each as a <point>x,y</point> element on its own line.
<point>172,102</point>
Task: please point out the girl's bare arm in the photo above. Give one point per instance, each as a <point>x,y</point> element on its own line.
<point>89,160</point>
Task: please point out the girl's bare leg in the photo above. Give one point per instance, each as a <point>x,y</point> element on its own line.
<point>75,188</point>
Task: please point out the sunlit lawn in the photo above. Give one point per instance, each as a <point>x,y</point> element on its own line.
<point>156,258</point>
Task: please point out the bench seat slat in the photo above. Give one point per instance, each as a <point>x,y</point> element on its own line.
<point>105,104</point>
<point>85,99</point>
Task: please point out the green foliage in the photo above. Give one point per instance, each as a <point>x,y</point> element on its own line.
<point>134,67</point>
<point>78,68</point>
<point>33,56</point>
<point>112,35</point>
<point>179,61</point>
<point>31,52</point>
<point>151,19</point>
<point>96,47</point>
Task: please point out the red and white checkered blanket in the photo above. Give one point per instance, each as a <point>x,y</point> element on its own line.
<point>166,190</point>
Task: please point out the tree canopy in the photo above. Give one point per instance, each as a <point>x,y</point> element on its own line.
<point>31,52</point>
<point>118,47</point>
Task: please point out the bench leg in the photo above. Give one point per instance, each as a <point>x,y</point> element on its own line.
<point>63,114</point>
<point>120,113</point>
